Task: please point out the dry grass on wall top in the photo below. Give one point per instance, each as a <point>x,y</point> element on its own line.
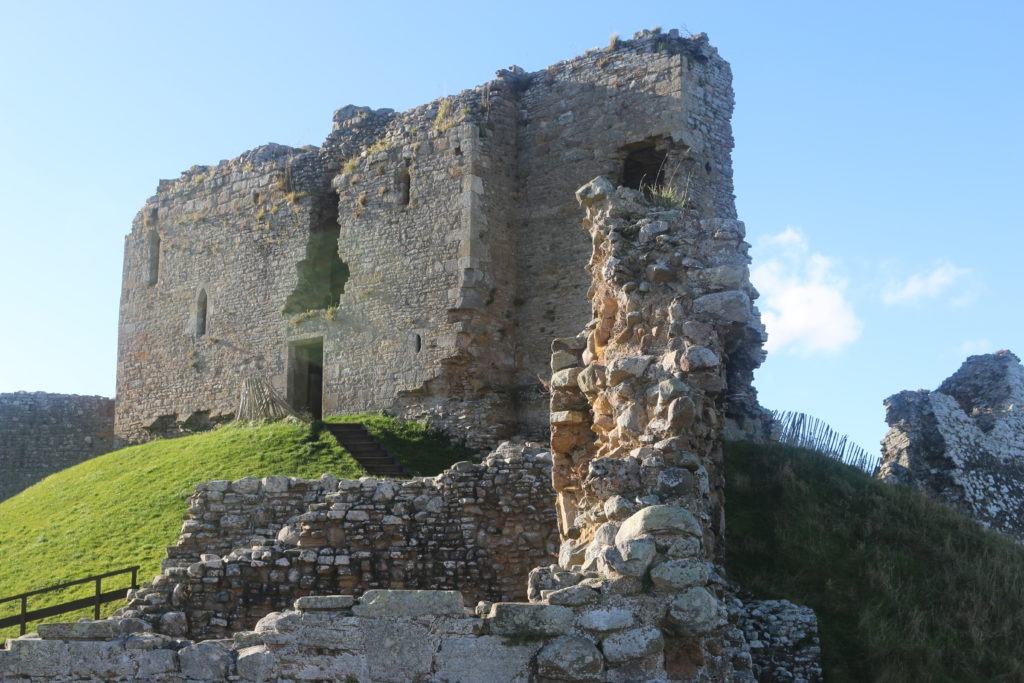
<point>904,589</point>
<point>124,508</point>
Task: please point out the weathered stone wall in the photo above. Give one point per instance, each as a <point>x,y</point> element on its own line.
<point>245,549</point>
<point>963,444</point>
<point>224,515</point>
<point>636,596</point>
<point>394,636</point>
<point>209,263</point>
<point>451,222</point>
<point>41,434</point>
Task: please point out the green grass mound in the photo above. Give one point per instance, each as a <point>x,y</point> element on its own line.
<point>904,589</point>
<point>124,508</point>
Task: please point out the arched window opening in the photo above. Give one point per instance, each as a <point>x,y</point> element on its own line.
<point>154,257</point>
<point>201,313</point>
<point>403,185</point>
<point>416,342</point>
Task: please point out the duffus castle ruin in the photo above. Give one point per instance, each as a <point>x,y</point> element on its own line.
<point>431,264</point>
<point>417,262</point>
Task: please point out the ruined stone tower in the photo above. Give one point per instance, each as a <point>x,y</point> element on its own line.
<point>417,262</point>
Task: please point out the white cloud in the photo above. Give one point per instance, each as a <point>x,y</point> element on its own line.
<point>927,285</point>
<point>803,302</point>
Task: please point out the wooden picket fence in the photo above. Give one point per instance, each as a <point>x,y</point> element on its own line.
<point>805,431</point>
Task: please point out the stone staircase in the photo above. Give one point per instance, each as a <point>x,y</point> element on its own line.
<point>367,451</point>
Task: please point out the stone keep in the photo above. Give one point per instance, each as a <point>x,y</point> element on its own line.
<point>963,444</point>
<point>417,262</point>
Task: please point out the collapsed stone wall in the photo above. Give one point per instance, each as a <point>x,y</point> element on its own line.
<point>637,594</point>
<point>42,433</point>
<point>963,444</point>
<point>444,230</point>
<point>393,637</point>
<point>251,546</point>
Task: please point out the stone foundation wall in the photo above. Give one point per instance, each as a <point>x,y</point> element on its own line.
<point>397,637</point>
<point>245,549</point>
<point>41,434</point>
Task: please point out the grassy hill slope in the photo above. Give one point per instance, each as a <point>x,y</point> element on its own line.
<point>124,508</point>
<point>905,590</point>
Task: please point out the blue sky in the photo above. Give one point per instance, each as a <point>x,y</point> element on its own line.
<point>877,163</point>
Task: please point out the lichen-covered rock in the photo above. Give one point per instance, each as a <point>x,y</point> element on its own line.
<point>695,612</point>
<point>571,658</point>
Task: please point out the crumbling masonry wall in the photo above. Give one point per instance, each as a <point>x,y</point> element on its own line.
<point>637,594</point>
<point>41,434</point>
<point>963,444</point>
<point>454,266</point>
<point>251,547</point>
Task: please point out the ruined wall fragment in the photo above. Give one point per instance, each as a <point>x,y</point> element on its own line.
<point>963,444</point>
<point>454,266</point>
<point>253,546</point>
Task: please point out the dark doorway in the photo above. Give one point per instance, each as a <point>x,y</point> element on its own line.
<point>306,376</point>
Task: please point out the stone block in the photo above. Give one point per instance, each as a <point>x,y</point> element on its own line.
<point>571,658</point>
<point>632,644</point>
<point>629,367</point>
<point>409,603</point>
<point>565,378</point>
<point>658,520</point>
<point>485,658</point>
<point>606,619</point>
<point>525,619</point>
<point>397,650</point>
<point>256,664</point>
<point>310,603</point>
<point>41,658</point>
<point>155,663</point>
<point>104,629</point>
<point>205,661</point>
<point>105,661</point>
<point>677,575</point>
<point>573,596</point>
<point>696,612</point>
<point>723,307</point>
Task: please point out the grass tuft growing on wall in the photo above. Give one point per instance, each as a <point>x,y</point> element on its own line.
<point>904,589</point>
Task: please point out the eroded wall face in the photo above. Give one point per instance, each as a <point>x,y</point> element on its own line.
<point>581,119</point>
<point>41,434</point>
<point>423,326</point>
<point>209,265</point>
<point>251,546</point>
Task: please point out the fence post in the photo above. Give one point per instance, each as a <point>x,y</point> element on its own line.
<point>24,612</point>
<point>99,593</point>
